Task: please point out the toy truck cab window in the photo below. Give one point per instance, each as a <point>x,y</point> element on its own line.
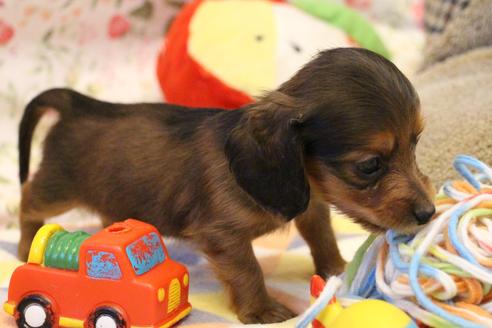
<point>145,253</point>
<point>102,265</point>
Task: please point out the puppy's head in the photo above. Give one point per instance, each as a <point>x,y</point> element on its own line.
<point>346,127</point>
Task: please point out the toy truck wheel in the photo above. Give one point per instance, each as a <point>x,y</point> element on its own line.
<point>106,317</point>
<point>35,312</point>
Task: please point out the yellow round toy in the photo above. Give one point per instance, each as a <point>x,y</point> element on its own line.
<point>369,313</point>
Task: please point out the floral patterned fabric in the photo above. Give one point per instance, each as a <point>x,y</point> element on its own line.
<point>105,48</point>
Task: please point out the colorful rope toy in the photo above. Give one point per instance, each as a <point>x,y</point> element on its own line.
<point>442,276</point>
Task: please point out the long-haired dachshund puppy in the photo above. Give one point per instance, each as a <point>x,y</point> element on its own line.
<point>342,131</point>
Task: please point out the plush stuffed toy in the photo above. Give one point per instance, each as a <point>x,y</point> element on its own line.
<point>224,53</point>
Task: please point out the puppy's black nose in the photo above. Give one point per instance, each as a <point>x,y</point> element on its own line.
<point>423,215</point>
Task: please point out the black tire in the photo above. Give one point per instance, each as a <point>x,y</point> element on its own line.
<point>34,304</point>
<point>106,313</point>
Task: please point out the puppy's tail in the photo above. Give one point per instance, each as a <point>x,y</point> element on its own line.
<point>57,99</point>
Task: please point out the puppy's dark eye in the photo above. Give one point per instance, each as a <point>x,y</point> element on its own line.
<point>370,166</point>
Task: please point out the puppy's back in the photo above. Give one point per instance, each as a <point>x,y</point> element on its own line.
<point>120,160</point>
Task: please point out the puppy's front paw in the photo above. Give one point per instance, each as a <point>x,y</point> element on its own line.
<point>270,312</point>
<point>331,269</point>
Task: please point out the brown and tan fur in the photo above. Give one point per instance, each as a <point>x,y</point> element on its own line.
<point>222,178</point>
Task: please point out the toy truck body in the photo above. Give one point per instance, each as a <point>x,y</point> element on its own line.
<point>121,276</point>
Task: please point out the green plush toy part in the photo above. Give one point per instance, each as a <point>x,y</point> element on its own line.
<point>348,20</point>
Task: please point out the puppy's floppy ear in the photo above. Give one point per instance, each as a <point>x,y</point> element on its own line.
<point>266,157</point>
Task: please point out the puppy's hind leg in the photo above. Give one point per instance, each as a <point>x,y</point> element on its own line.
<point>39,202</point>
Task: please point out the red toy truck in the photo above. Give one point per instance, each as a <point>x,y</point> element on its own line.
<point>121,276</point>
